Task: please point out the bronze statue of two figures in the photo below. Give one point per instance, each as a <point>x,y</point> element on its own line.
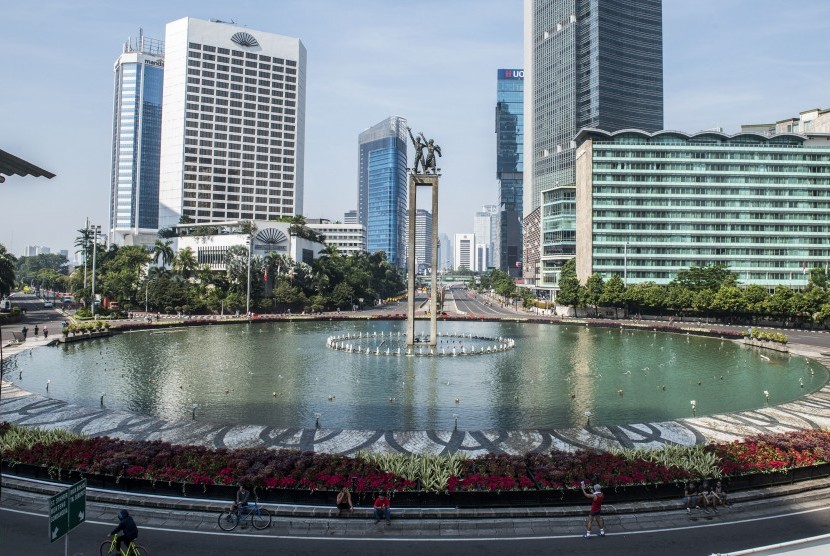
<point>426,162</point>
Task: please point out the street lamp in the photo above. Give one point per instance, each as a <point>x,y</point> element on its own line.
<point>95,231</point>
<point>248,298</point>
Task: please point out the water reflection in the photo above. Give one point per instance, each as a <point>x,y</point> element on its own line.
<point>281,374</point>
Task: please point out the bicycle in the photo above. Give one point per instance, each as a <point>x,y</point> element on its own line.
<point>108,549</point>
<point>260,517</point>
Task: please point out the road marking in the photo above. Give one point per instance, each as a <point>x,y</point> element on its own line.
<point>441,539</point>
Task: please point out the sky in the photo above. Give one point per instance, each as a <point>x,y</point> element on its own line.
<point>434,62</point>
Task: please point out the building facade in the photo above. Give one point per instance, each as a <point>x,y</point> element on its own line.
<point>382,188</point>
<point>507,249</point>
<point>651,204</point>
<point>445,252</point>
<point>815,120</point>
<point>464,251</point>
<point>350,217</point>
<point>423,241</point>
<point>348,238</point>
<point>588,63</point>
<point>233,127</point>
<point>136,142</point>
<point>270,237</point>
<point>485,229</point>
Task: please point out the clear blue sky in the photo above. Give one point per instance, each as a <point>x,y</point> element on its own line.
<point>726,62</point>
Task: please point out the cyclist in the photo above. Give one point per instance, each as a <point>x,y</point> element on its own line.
<point>242,496</point>
<point>127,525</point>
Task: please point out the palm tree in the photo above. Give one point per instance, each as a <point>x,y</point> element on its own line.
<point>7,266</point>
<point>276,264</point>
<point>83,243</point>
<point>162,251</point>
<point>185,262</point>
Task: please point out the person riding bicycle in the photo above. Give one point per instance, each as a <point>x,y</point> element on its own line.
<point>242,496</point>
<point>128,526</point>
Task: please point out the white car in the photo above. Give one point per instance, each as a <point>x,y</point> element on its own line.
<point>48,304</point>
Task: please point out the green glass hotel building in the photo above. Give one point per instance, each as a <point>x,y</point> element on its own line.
<point>650,204</point>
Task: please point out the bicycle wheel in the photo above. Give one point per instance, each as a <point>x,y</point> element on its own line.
<point>105,548</point>
<point>228,520</point>
<point>261,518</point>
<point>140,550</point>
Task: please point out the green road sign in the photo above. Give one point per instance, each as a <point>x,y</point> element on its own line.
<point>67,510</point>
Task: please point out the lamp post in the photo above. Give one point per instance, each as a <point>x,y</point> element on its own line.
<point>95,231</point>
<point>248,297</point>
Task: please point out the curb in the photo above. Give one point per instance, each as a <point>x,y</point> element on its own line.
<point>815,490</point>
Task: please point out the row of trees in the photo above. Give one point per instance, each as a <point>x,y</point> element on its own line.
<point>502,284</point>
<point>709,290</point>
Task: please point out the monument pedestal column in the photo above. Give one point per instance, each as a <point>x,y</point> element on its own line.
<point>415,181</point>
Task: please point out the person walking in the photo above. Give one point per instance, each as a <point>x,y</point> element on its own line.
<point>35,331</point>
<point>595,513</point>
<point>45,332</point>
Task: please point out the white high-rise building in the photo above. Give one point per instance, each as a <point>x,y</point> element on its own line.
<point>233,125</point>
<point>445,250</point>
<point>464,251</point>
<point>485,228</point>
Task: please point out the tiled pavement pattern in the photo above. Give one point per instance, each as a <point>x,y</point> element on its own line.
<point>810,411</point>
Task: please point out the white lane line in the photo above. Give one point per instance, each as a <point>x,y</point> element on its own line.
<point>455,539</point>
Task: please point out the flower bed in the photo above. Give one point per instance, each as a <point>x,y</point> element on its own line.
<point>492,479</point>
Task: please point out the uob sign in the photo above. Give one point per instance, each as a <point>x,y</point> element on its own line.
<point>512,74</point>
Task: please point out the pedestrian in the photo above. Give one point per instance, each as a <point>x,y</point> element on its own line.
<point>690,497</point>
<point>344,501</point>
<point>719,493</point>
<point>45,332</point>
<point>24,331</point>
<point>35,330</point>
<point>595,513</point>
<point>382,510</point>
<point>708,498</point>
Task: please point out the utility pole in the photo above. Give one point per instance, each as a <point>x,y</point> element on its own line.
<point>95,231</point>
<point>86,249</point>
<point>250,248</point>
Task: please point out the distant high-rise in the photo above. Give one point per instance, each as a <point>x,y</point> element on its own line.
<point>464,252</point>
<point>350,217</point>
<point>136,140</point>
<point>588,63</point>
<point>485,225</point>
<point>382,192</point>
<point>445,251</point>
<point>507,249</point>
<point>233,128</point>
<point>423,239</point>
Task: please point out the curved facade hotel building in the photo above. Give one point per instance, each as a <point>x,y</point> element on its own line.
<point>233,126</point>
<point>651,204</point>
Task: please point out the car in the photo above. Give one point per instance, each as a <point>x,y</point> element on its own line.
<point>48,304</point>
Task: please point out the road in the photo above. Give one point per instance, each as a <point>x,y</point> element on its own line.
<point>25,533</point>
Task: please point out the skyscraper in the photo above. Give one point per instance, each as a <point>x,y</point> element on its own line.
<point>588,63</point>
<point>423,240</point>
<point>136,141</point>
<point>233,127</point>
<point>509,168</point>
<point>382,192</point>
<point>445,252</point>
<point>485,226</point>
<point>464,252</point>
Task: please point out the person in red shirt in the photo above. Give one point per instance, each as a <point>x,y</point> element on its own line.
<point>382,510</point>
<point>597,498</point>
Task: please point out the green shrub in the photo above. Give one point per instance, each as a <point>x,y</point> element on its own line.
<point>693,459</point>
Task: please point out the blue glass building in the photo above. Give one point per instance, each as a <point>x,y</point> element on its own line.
<point>509,168</point>
<point>588,63</point>
<point>136,140</point>
<point>382,191</point>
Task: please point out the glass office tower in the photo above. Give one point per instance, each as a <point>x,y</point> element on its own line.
<point>382,188</point>
<point>509,168</point>
<point>588,63</point>
<point>136,140</point>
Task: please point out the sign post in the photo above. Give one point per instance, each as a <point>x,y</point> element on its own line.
<point>67,510</point>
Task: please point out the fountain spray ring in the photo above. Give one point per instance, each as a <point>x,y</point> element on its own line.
<point>394,345</point>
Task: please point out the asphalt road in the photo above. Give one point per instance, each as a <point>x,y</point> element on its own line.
<point>22,533</point>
